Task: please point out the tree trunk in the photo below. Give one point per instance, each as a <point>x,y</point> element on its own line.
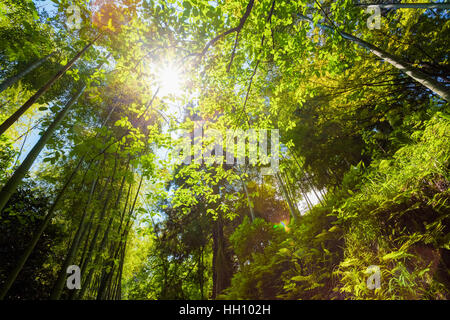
<point>118,293</point>
<point>430,83</point>
<point>88,229</point>
<point>11,81</point>
<point>304,192</point>
<point>308,201</point>
<point>13,182</point>
<point>250,204</point>
<point>102,216</point>
<point>408,5</point>
<point>74,247</point>
<point>222,267</point>
<point>23,145</point>
<point>106,276</point>
<point>286,196</point>
<point>13,275</point>
<point>103,278</point>
<point>13,118</point>
<point>37,235</point>
<point>91,271</point>
<point>313,188</point>
<point>290,193</point>
<point>201,275</point>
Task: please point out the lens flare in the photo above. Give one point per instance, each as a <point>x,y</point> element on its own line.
<point>282,225</point>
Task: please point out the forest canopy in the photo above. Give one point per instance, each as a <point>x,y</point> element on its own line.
<point>228,149</point>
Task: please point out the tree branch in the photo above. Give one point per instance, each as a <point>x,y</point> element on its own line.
<point>234,51</point>
<point>232,30</point>
<point>269,19</point>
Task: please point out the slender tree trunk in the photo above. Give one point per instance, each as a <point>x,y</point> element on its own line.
<point>102,216</point>
<point>127,231</point>
<point>13,182</point>
<point>22,146</point>
<point>14,117</point>
<point>291,194</point>
<point>74,247</point>
<point>118,293</point>
<point>425,80</point>
<point>308,201</point>
<point>91,271</point>
<point>87,229</point>
<point>200,271</point>
<point>311,184</point>
<point>106,276</point>
<point>11,81</point>
<point>112,282</point>
<point>304,192</point>
<point>313,188</point>
<point>286,196</point>
<point>103,278</point>
<point>90,223</point>
<point>322,193</point>
<point>408,5</point>
<point>250,204</point>
<point>112,294</point>
<point>89,246</point>
<point>305,195</point>
<point>222,267</point>
<point>97,258</point>
<point>13,275</point>
<point>122,216</point>
<point>37,235</point>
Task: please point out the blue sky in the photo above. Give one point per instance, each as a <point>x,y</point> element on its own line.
<point>46,5</point>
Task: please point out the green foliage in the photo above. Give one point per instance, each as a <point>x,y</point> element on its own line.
<point>398,220</point>
<point>259,251</point>
<point>364,154</point>
<point>22,216</point>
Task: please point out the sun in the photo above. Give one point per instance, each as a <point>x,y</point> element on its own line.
<point>170,81</point>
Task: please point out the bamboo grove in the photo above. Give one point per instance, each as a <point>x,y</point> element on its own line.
<point>94,96</point>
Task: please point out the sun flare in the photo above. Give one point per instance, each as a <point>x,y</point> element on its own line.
<point>170,81</point>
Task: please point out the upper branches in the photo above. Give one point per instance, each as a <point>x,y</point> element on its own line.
<point>236,29</point>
